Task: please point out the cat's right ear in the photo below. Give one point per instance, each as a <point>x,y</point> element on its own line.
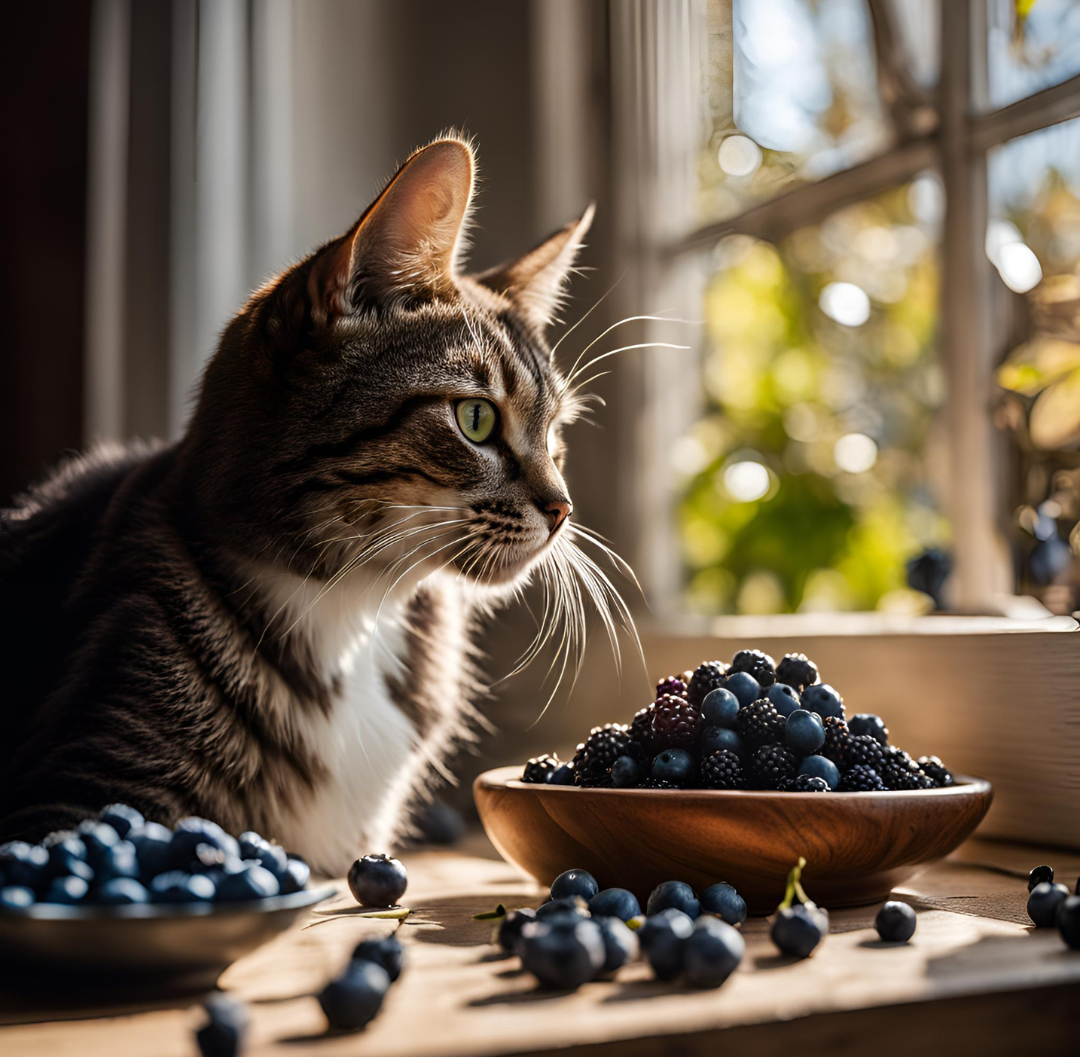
<point>406,246</point>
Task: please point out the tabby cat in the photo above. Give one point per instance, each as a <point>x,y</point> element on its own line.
<point>269,622</point>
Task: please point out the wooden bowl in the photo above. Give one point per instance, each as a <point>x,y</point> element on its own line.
<point>858,846</point>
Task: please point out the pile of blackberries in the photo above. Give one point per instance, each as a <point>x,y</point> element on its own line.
<point>750,724</point>
<point>120,859</point>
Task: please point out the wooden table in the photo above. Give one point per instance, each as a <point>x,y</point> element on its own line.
<point>975,979</point>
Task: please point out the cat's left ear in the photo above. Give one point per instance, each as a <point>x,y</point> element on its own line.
<point>534,284</point>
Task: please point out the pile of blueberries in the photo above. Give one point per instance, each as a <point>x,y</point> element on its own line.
<point>120,858</point>
<point>750,724</point>
<point>1050,903</point>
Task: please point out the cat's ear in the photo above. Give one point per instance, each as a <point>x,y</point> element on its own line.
<point>535,282</point>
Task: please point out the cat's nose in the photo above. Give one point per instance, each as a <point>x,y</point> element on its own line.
<point>557,511</point>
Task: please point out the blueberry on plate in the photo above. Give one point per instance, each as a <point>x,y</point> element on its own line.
<point>723,901</point>
<point>118,861</point>
<point>784,698</point>
<point>67,857</point>
<point>152,849</point>
<point>508,932</point>
<point>176,886</point>
<point>1068,921</point>
<point>377,881</point>
<point>273,858</point>
<point>563,954</point>
<point>626,772</point>
<point>189,833</point>
<point>386,953</point>
<point>251,844</point>
<point>16,897</point>
<point>798,927</point>
<point>1040,875</point>
<point>711,953</point>
<point>719,708</point>
<point>615,903</point>
<point>69,890</point>
<point>663,939</point>
<point>804,732</point>
<point>1044,902</point>
<point>296,876</point>
<point>252,882</point>
<point>824,700</point>
<point>97,837</point>
<point>620,944</point>
<point>225,1029</point>
<point>713,739</point>
<point>744,686</point>
<point>122,818</point>
<point>352,999</point>
<point>673,894</point>
<point>820,767</point>
<point>22,864</point>
<point>119,891</point>
<point>574,883</point>
<point>868,723</point>
<point>674,765</point>
<point>895,922</point>
<point>562,775</point>
<point>570,905</point>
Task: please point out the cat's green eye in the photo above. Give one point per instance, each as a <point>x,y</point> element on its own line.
<point>477,419</point>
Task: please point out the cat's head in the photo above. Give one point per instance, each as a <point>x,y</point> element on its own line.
<point>375,404</point>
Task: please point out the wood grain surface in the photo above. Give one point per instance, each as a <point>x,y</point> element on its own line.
<point>975,979</point>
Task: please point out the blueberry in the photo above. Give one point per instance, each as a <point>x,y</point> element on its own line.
<point>296,876</point>
<point>1068,921</point>
<point>719,708</point>
<point>251,844</point>
<point>819,767</point>
<point>895,922</point>
<point>824,700</point>
<point>715,738</point>
<point>673,894</point>
<point>274,859</point>
<point>674,765</point>
<point>570,905</point>
<point>226,1027</point>
<point>252,882</point>
<point>120,891</point>
<point>562,775</point>
<point>179,887</point>
<point>118,861</point>
<point>784,698</point>
<point>804,732</point>
<point>152,849</point>
<point>22,864</point>
<point>615,903</point>
<point>722,900</point>
<point>377,881</point>
<point>745,688</point>
<point>620,943</point>
<point>122,818</point>
<point>574,883</point>
<point>798,929</point>
<point>67,857</point>
<point>868,723</point>
<point>16,897</point>
<point>563,954</point>
<point>711,953</point>
<point>66,890</point>
<point>509,931</point>
<point>386,953</point>
<point>626,773</point>
<point>663,939</point>
<point>98,837</point>
<point>1040,875</point>
<point>353,999</point>
<point>190,833</point>
<point>1043,903</point>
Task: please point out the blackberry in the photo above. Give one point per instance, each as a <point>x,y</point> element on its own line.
<point>773,766</point>
<point>861,779</point>
<point>756,663</point>
<point>900,771</point>
<point>837,737</point>
<point>936,771</point>
<point>796,669</point>
<point>675,724</point>
<point>707,676</point>
<point>641,732</point>
<point>657,783</point>
<point>806,783</point>
<point>759,723</point>
<point>861,750</point>
<point>671,685</point>
<point>722,770</point>
<point>600,750</point>
<point>601,780</point>
<point>540,769</point>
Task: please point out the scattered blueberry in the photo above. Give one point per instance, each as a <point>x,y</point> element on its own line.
<point>179,887</point>
<point>16,897</point>
<point>1068,921</point>
<point>351,1000</point>
<point>719,708</point>
<point>120,891</point>
<point>663,939</point>
<point>620,943</point>
<point>69,890</point>
<point>626,773</point>
<point>252,882</point>
<point>713,739</point>
<point>784,698</point>
<point>562,775</point>
<point>1040,875</point>
<point>868,723</point>
<point>386,953</point>
<point>510,927</point>
<point>615,903</point>
<point>804,732</point>
<point>226,1027</point>
<point>820,767</point>
<point>673,894</point>
<point>123,819</point>
<point>377,881</point>
<point>798,927</point>
<point>824,700</point>
<point>563,954</point>
<point>1044,902</point>
<point>674,765</point>
<point>722,900</point>
<point>711,953</point>
<point>574,883</point>
<point>558,907</point>
<point>895,922</point>
<point>744,686</point>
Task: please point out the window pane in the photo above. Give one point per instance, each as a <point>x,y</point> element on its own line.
<point>1030,51</point>
<point>808,480</point>
<point>793,97</point>
<point>1033,240</point>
